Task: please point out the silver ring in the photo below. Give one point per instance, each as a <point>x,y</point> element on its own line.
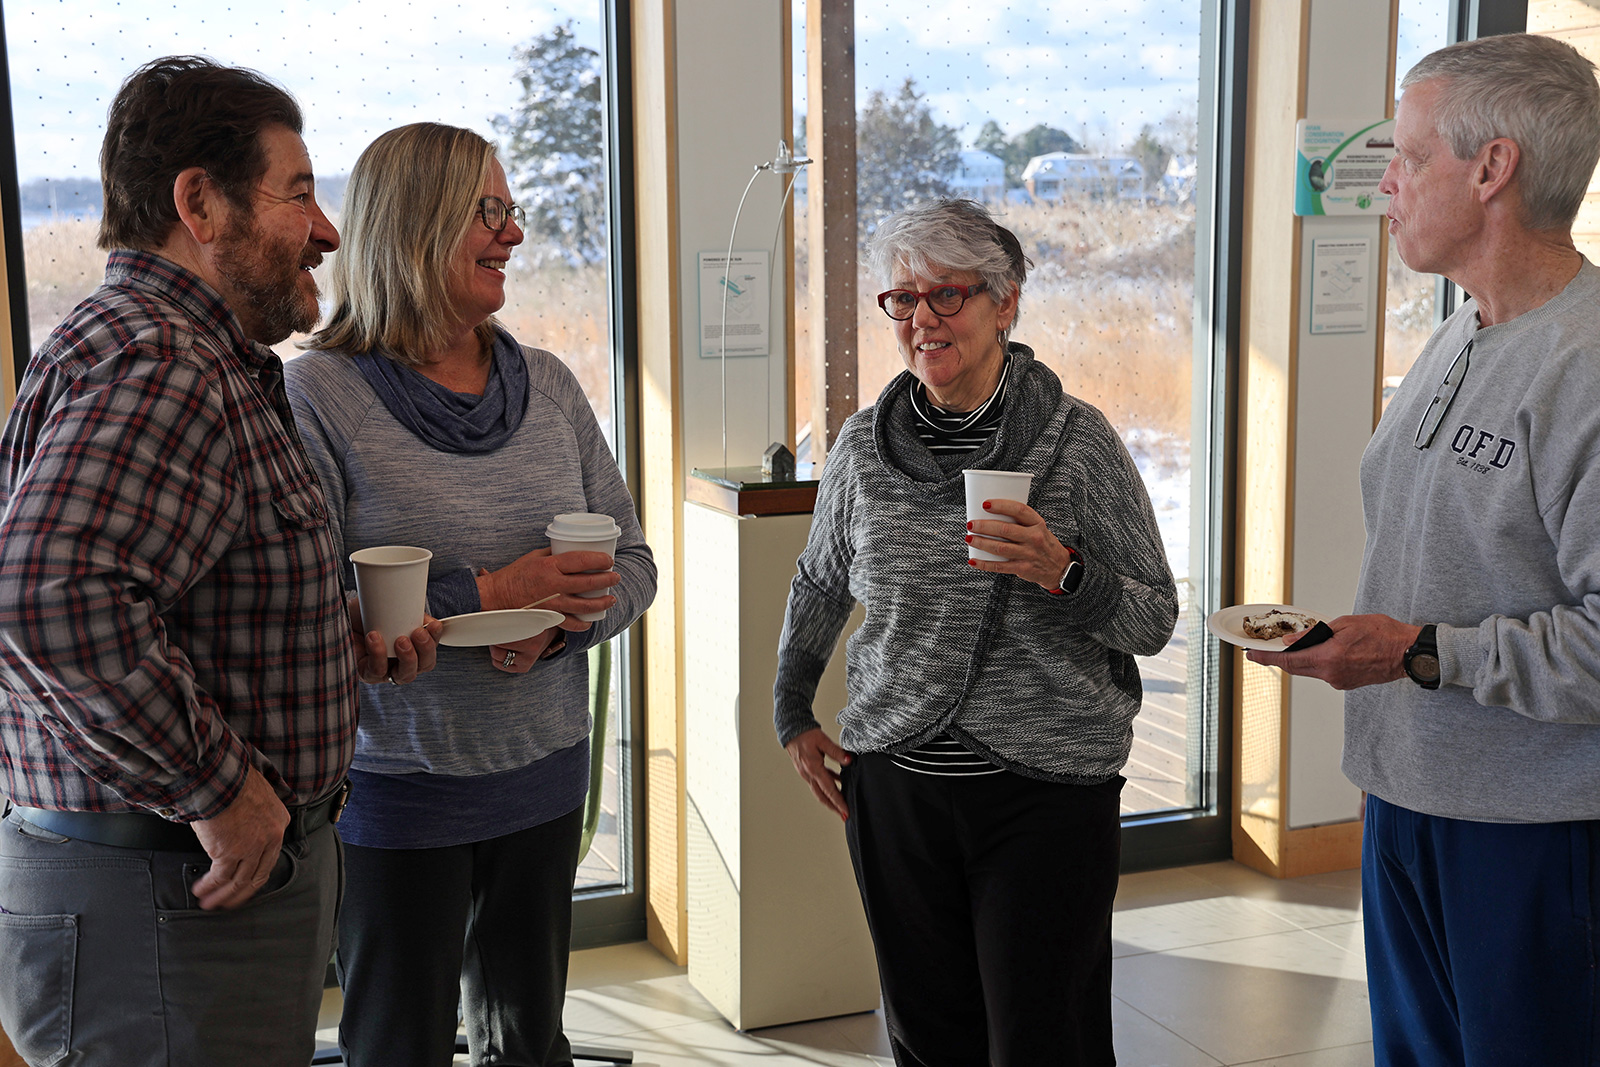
<point>511,657</point>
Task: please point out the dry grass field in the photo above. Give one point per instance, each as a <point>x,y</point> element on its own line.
<point>1108,306</point>
<point>63,266</point>
<point>566,312</point>
<point>1410,319</point>
<point>562,310</point>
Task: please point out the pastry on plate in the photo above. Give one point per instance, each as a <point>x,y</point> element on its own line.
<point>1270,624</point>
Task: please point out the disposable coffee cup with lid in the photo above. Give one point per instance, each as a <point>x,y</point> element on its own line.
<point>584,532</point>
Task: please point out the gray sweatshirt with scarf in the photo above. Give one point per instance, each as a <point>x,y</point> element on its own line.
<point>1492,532</point>
<point>1044,685</point>
<point>387,487</point>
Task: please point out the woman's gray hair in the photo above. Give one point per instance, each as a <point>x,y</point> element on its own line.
<point>412,197</point>
<point>1536,91</point>
<point>951,235</point>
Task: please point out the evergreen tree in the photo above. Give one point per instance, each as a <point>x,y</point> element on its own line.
<point>903,156</point>
<point>1153,154</point>
<point>552,148</point>
<point>1038,141</point>
<point>991,138</point>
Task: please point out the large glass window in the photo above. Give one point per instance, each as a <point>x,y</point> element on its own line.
<point>1578,24</point>
<point>1412,309</point>
<point>530,77</point>
<point>1083,131</point>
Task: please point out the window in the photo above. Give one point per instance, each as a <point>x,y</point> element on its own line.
<point>1412,300</point>
<point>1095,140</point>
<point>357,70</point>
<point>1579,26</point>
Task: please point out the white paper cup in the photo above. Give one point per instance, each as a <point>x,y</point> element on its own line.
<point>392,585</point>
<point>584,532</point>
<point>993,485</point>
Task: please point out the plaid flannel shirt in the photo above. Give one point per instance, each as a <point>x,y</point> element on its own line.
<point>171,610</point>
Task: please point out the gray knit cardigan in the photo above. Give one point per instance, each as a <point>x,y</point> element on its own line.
<point>1044,685</point>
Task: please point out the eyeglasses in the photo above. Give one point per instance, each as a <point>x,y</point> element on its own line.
<point>495,213</point>
<point>1443,395</point>
<point>943,300</point>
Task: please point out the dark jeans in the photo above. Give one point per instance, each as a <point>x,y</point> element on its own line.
<point>1481,940</point>
<point>488,925</point>
<point>989,900</point>
<point>106,960</point>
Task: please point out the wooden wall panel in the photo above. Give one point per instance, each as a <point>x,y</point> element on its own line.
<point>831,216</point>
<point>1270,314</point>
<point>661,471</point>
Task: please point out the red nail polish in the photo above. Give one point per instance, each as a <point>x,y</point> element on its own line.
<point>972,563</point>
<point>969,539</point>
<point>969,525</point>
<point>985,505</point>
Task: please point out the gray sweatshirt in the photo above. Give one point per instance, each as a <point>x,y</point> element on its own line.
<point>387,487</point>
<point>1044,685</point>
<point>1493,532</point>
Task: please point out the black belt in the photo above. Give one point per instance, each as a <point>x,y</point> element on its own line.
<point>135,829</point>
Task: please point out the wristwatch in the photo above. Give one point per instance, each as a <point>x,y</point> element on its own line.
<point>1072,577</point>
<point>1422,658</point>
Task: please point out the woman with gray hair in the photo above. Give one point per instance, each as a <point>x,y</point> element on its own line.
<point>991,703</point>
<point>430,425</point>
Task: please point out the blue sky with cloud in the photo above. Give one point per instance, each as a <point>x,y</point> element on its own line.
<point>356,66</point>
<point>1099,69</point>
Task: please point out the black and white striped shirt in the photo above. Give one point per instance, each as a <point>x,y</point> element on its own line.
<point>948,433</point>
<point>952,433</point>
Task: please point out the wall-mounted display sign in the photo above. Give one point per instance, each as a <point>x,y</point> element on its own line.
<point>1339,166</point>
<point>735,303</point>
<point>1340,268</point>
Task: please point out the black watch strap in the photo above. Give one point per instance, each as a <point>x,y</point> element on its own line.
<point>1422,658</point>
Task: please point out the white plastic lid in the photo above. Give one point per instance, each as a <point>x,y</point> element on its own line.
<point>583,526</point>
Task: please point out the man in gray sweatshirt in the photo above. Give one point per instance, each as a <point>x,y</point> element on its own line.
<point>1473,662</point>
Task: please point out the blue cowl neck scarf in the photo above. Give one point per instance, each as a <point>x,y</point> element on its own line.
<point>451,421</point>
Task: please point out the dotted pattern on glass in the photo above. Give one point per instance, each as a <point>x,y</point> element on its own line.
<point>357,68</point>
<point>1079,126</point>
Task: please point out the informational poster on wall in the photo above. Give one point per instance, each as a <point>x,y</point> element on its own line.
<point>1340,269</point>
<point>735,305</point>
<point>1340,165</point>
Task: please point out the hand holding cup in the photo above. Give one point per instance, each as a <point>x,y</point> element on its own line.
<point>392,585</point>
<point>559,583</point>
<point>983,486</point>
<point>391,603</point>
<point>584,532</point>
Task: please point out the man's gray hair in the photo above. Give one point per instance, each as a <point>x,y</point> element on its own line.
<point>1536,91</point>
<point>951,235</point>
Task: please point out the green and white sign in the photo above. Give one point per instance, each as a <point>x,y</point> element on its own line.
<point>1339,166</point>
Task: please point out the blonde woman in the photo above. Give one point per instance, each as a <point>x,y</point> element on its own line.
<point>430,425</point>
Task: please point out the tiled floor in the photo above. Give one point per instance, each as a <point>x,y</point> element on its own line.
<point>1216,965</point>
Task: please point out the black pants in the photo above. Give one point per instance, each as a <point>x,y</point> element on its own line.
<point>989,900</point>
<point>488,924</point>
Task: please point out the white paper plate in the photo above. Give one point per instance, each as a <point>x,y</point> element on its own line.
<point>497,627</point>
<point>1228,625</point>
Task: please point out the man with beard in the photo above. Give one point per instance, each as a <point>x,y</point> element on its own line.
<point>177,665</point>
